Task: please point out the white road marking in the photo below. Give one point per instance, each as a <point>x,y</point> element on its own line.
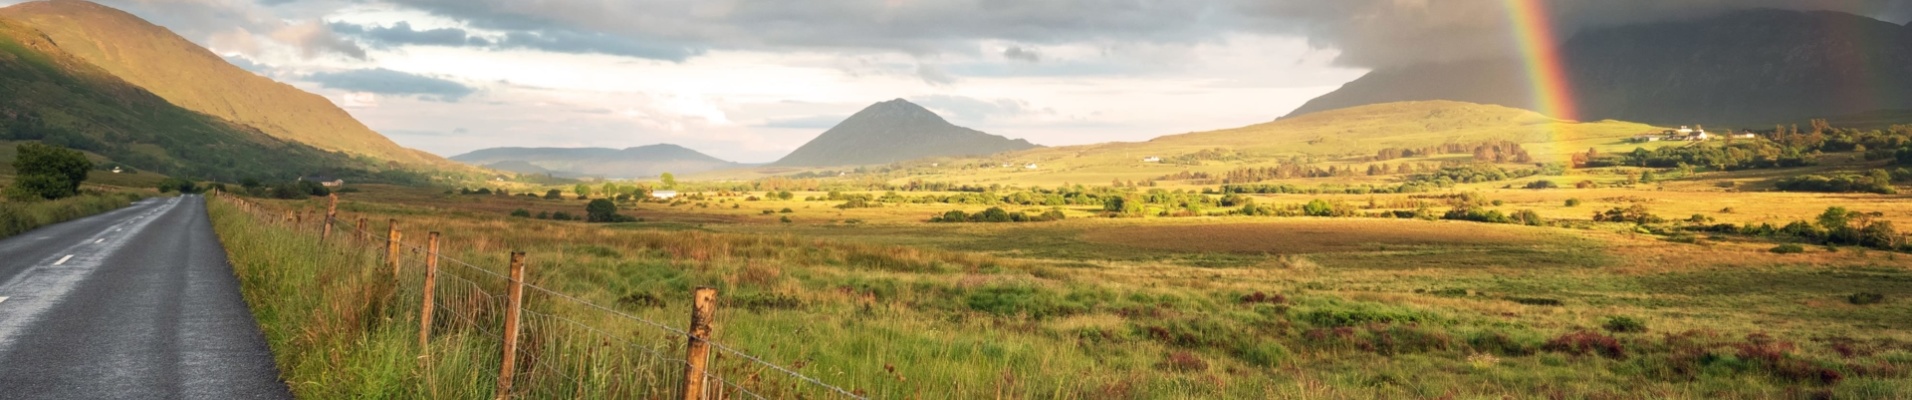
<point>98,241</point>
<point>63,259</point>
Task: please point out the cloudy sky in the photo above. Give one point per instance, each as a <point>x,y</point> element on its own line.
<point>749,80</point>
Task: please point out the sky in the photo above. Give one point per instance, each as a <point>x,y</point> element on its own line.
<point>750,80</point>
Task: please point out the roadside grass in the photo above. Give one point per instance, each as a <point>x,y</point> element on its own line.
<point>21,216</point>
<point>1036,311</point>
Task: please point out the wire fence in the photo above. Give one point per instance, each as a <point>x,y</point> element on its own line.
<point>556,345</point>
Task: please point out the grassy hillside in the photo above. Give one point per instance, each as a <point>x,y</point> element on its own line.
<point>1340,137</point>
<point>153,58</point>
<point>58,98</point>
<point>634,162</point>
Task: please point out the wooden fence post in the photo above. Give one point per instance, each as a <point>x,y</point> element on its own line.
<point>431,277</point>
<point>514,301</point>
<point>331,213</point>
<point>391,246</point>
<point>360,232</point>
<point>703,307</point>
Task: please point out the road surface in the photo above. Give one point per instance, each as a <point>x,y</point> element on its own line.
<point>134,303</point>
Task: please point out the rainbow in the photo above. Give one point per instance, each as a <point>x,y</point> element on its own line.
<point>1540,51</point>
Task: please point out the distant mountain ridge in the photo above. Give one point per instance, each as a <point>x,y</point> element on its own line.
<point>895,130</point>
<point>634,162</point>
<point>193,78</point>
<point>1748,68</point>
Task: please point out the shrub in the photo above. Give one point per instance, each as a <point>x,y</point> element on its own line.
<point>1573,202</point>
<point>43,171</point>
<point>1864,298</point>
<point>1264,298</point>
<point>602,210</point>
<point>786,210</point>
<point>1263,353</point>
<point>521,213</point>
<point>1624,324</point>
<point>553,194</point>
<point>784,219</point>
<point>1535,301</point>
<point>1183,361</point>
<point>1587,342</point>
<point>1542,184</point>
<point>1789,248</point>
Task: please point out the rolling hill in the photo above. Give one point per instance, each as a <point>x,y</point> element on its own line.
<point>892,131</point>
<point>56,97</point>
<point>1344,136</point>
<point>1743,69</point>
<point>635,162</point>
<point>153,58</point>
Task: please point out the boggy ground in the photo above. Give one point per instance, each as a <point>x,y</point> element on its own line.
<point>1239,307</point>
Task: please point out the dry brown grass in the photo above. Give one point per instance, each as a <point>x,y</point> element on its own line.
<point>1308,236</point>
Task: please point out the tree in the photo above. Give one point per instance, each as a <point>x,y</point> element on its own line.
<point>601,210</point>
<point>583,191</point>
<point>553,194</point>
<point>44,171</point>
<point>669,181</point>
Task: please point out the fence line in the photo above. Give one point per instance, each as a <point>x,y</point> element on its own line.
<point>454,294</point>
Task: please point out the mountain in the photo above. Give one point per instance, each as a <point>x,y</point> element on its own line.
<point>1748,68</point>
<point>892,131</point>
<point>187,75</point>
<point>56,97</point>
<point>635,162</point>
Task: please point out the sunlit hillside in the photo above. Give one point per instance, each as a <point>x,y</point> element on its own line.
<point>1344,137</point>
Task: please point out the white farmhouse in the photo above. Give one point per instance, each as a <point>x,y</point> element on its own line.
<point>1151,159</point>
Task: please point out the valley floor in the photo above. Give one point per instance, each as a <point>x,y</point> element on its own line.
<point>1240,307</point>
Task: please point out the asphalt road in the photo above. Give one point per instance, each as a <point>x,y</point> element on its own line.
<point>137,303</point>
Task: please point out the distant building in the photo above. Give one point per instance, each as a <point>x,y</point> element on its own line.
<point>116,169</point>
<point>1745,135</point>
<point>1151,159</point>
<point>663,194</point>
<point>323,180</point>
<point>1030,166</point>
<point>1644,138</point>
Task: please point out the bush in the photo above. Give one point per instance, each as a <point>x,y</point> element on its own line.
<point>601,210</point>
<point>521,213</point>
<point>1573,202</point>
<point>43,171</point>
<point>1789,248</point>
<point>1542,184</point>
<point>552,194</point>
<point>1535,301</point>
<point>1587,342</point>
<point>1624,324</point>
<point>1864,298</point>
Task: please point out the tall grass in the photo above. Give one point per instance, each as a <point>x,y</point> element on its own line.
<point>22,216</point>
<point>906,322</point>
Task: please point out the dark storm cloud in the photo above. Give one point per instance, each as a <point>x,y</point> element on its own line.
<point>1021,54</point>
<point>1369,33</point>
<point>402,33</point>
<point>566,41</point>
<point>1382,33</point>
<point>385,81</point>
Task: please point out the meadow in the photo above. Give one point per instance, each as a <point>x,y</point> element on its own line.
<point>881,302</point>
